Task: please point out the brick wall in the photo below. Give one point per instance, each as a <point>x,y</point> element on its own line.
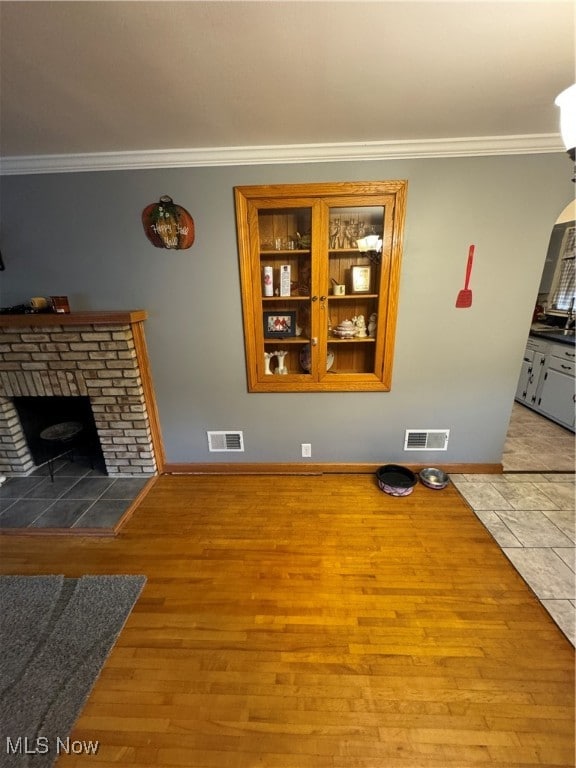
<point>91,360</point>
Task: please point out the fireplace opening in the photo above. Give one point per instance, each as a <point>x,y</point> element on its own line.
<point>37,414</point>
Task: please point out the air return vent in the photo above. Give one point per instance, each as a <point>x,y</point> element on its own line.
<point>426,439</point>
<point>225,441</point>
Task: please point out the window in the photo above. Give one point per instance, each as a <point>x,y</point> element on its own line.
<point>564,287</point>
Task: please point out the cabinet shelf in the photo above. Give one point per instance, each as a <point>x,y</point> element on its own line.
<point>279,299</point>
<point>286,252</point>
<point>333,216</point>
<point>353,297</point>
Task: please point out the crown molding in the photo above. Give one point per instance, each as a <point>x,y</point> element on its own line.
<point>280,154</point>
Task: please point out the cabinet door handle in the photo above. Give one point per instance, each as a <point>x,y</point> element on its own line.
<point>314,298</point>
<point>322,298</point>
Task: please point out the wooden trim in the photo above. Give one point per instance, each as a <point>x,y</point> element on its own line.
<point>135,504</point>
<point>77,532</point>
<point>318,468</point>
<point>202,157</point>
<point>149,395</point>
<point>40,319</point>
<point>302,194</point>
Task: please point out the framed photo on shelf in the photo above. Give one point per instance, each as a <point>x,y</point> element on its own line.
<point>279,325</point>
<point>360,278</point>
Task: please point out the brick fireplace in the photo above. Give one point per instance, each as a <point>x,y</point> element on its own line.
<point>99,355</point>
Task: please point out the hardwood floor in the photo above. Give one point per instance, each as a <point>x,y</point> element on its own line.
<point>315,622</point>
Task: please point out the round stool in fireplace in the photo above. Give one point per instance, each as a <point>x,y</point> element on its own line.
<point>63,438</point>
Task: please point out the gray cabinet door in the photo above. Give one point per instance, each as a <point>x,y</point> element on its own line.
<point>525,373</point>
<point>557,397</point>
<point>535,378</point>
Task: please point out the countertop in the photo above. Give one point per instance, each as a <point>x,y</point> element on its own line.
<point>556,335</point>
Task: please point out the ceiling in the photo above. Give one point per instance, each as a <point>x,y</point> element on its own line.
<point>117,77</point>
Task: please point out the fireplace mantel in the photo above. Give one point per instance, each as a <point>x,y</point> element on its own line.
<point>46,319</point>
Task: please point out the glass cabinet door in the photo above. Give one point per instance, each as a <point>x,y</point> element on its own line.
<point>355,286</point>
<point>283,287</point>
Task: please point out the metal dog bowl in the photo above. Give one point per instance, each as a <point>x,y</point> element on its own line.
<point>396,480</point>
<point>435,478</point>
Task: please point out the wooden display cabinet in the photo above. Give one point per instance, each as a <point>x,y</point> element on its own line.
<point>309,239</point>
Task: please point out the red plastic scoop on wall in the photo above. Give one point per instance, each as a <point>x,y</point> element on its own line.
<point>464,298</point>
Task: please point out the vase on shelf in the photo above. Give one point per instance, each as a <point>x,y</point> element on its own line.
<point>281,355</point>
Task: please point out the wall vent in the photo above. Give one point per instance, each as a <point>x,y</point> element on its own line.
<point>225,441</point>
<point>426,439</point>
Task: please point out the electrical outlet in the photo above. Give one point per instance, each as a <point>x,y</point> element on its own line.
<point>306,450</point>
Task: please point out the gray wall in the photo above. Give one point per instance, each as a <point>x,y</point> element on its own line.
<point>80,235</point>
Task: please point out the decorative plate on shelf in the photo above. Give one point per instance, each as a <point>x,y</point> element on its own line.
<point>305,361</point>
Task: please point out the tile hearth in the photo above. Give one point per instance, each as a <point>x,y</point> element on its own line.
<point>80,498</point>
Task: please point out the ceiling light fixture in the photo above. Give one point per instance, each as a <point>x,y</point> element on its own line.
<point>567,103</point>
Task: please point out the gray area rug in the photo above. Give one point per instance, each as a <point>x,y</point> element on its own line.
<point>55,635</point>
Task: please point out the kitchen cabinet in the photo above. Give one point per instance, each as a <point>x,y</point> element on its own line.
<point>557,394</point>
<point>557,398</point>
<point>547,380</point>
<point>320,270</point>
<point>524,378</point>
<point>533,364</point>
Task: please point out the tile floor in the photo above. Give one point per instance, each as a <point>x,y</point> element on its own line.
<point>80,497</point>
<point>536,444</point>
<point>530,510</point>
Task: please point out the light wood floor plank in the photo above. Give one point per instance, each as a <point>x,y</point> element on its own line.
<point>315,622</point>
